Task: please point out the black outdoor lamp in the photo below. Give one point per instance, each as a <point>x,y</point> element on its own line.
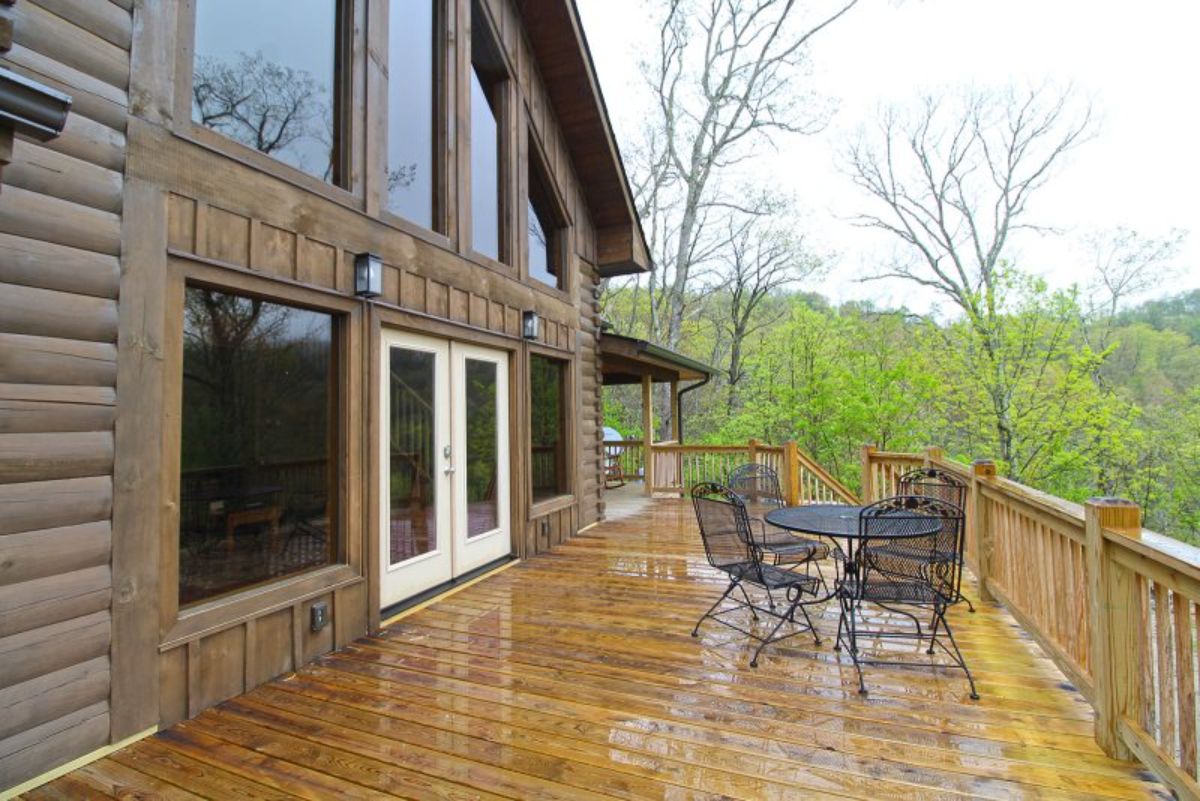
<point>530,324</point>
<point>368,275</point>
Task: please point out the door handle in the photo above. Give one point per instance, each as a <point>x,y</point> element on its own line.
<point>449,470</point>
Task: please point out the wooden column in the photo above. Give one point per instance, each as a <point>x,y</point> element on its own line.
<point>868,475</point>
<point>1115,610</point>
<point>675,412</point>
<point>791,468</point>
<point>648,432</point>
<point>752,449</point>
<point>982,471</point>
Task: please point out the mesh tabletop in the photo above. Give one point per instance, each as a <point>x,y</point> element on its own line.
<point>835,520</point>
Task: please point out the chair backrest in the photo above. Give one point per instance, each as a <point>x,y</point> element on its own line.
<point>912,539</point>
<point>757,485</point>
<point>724,526</point>
<point>933,482</point>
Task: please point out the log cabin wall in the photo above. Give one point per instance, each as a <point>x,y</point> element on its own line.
<point>60,241</point>
<point>131,202</point>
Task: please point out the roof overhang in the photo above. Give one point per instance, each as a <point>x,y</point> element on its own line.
<point>565,64</point>
<point>625,360</point>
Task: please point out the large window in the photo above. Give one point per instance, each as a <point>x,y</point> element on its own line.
<point>489,79</point>
<point>266,75</point>
<point>544,227</point>
<point>548,427</point>
<point>414,103</point>
<point>258,487</point>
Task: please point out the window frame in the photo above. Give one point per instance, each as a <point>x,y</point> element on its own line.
<point>537,163</point>
<point>347,188</point>
<point>568,495</point>
<point>502,78</point>
<point>181,623</point>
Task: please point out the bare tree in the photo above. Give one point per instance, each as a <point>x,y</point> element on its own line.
<point>763,256</point>
<point>267,106</point>
<point>952,181</point>
<point>1127,265</point>
<point>723,78</point>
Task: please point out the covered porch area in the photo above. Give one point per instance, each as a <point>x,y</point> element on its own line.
<point>627,361</point>
<point>573,675</point>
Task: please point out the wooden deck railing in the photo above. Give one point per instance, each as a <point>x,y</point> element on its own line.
<point>677,467</point>
<point>1113,604</point>
<point>629,454</point>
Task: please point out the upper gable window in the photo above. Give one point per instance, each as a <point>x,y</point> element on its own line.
<point>414,104</point>
<point>266,74</point>
<point>544,227</point>
<point>489,169</point>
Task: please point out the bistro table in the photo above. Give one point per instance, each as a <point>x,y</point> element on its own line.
<point>838,522</point>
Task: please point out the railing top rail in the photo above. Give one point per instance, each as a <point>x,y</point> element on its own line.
<point>896,456</point>
<point>637,442</point>
<point>668,447</point>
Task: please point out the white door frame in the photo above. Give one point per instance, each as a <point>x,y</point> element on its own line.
<point>405,579</point>
<point>474,552</point>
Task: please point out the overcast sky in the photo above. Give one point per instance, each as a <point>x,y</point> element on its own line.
<point>1137,61</point>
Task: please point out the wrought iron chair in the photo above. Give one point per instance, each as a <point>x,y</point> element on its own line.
<point>758,487</point>
<point>917,576</point>
<point>933,482</point>
<point>731,548</point>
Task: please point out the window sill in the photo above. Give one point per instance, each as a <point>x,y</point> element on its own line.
<point>222,613</point>
<point>551,505</point>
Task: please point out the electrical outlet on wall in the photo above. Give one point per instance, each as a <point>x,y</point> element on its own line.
<point>318,615</point>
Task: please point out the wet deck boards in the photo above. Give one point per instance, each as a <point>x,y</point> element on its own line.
<point>574,676</point>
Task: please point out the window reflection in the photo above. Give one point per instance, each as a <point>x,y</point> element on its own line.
<point>485,169</point>
<point>413,395</point>
<point>482,448</point>
<point>412,111</point>
<point>548,430</point>
<point>257,489</point>
<point>264,75</point>
<point>544,234</point>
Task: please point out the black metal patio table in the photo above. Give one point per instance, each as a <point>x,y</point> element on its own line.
<point>838,522</point>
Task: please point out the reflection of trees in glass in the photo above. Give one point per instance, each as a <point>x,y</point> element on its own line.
<point>256,381</point>
<point>276,109</point>
<point>546,426</point>
<point>481,430</point>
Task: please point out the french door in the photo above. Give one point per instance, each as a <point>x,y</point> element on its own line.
<point>444,469</point>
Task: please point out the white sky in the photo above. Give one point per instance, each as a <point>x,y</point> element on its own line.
<point>1138,62</point>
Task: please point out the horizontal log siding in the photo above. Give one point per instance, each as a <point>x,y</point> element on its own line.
<point>60,243</point>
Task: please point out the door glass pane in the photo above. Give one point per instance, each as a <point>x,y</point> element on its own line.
<point>485,170</point>
<point>411,111</point>
<point>257,491</point>
<point>482,455</point>
<point>413,524</point>
<point>264,75</point>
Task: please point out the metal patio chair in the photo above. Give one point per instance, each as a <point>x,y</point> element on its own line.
<point>933,482</point>
<point>916,576</point>
<point>758,487</point>
<point>731,548</point>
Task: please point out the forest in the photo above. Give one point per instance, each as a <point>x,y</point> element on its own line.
<point>1084,390</point>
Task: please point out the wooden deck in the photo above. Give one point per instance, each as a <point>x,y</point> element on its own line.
<point>573,676</point>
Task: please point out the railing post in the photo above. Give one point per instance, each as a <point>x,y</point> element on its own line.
<point>868,474</point>
<point>791,467</point>
<point>982,470</point>
<point>752,447</point>
<point>933,455</point>
<point>648,432</point>
<point>1115,611</point>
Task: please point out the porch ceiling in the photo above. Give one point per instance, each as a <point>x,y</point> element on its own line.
<point>625,360</point>
<point>573,676</point>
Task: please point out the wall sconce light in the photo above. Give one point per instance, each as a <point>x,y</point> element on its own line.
<point>530,324</point>
<point>368,275</point>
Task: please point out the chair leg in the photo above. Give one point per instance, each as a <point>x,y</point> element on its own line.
<point>957,654</point>
<point>853,629</point>
<point>807,619</point>
<point>724,595</point>
<point>745,595</point>
<point>770,638</point>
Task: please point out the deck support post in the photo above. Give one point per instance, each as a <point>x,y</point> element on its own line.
<point>648,433</point>
<point>868,475</point>
<point>1116,611</point>
<point>791,472</point>
<point>934,455</point>
<point>982,471</point>
<point>675,412</point>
